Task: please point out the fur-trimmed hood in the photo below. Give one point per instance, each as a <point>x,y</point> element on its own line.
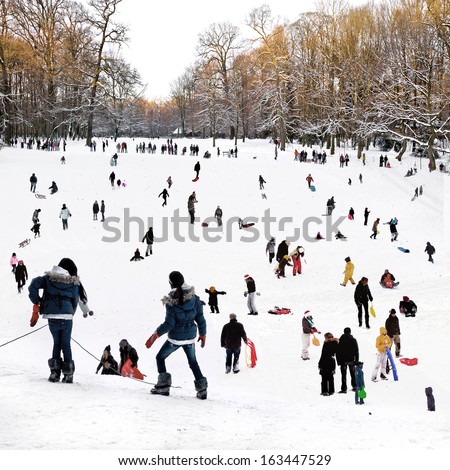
<point>58,274</point>
<point>170,300</point>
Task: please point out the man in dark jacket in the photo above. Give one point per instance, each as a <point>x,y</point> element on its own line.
<point>347,354</point>
<point>232,333</point>
<point>362,297</point>
<point>33,181</point>
<point>282,250</point>
<point>148,238</point>
<point>127,352</point>
<point>197,169</point>
<point>393,330</point>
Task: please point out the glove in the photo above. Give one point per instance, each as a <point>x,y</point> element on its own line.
<point>245,294</point>
<point>258,293</point>
<point>203,340</point>
<point>35,315</point>
<point>151,340</point>
<point>224,293</point>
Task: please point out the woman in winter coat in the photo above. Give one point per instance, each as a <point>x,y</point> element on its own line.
<point>95,209</point>
<point>308,329</point>
<point>362,296</point>
<point>62,292</point>
<point>213,301</point>
<point>327,364</point>
<point>184,316</point>
<point>348,272</point>
<point>108,363</point>
<point>21,275</point>
<point>283,249</point>
<point>64,216</point>
<point>296,256</point>
<point>127,352</point>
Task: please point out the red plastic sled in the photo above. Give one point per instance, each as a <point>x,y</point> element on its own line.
<point>409,362</point>
<point>195,179</point>
<point>280,311</point>
<point>204,224</point>
<point>129,371</point>
<point>250,354</point>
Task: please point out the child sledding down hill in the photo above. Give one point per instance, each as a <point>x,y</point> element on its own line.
<point>279,271</point>
<point>388,280</point>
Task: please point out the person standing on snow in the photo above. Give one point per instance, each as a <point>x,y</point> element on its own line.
<point>112,178</point>
<point>393,228</point>
<point>64,216</point>
<point>21,276</point>
<point>230,339</point>
<point>375,229</point>
<point>191,207</point>
<point>95,209</point>
<point>184,315</point>
<point>62,292</point>
<point>102,210</point>
<point>250,293</point>
<point>366,215</point>
<point>165,194</point>
<point>296,257</point>
<point>261,182</point>
<point>347,354</point>
<point>148,238</point>
<point>33,181</point>
<point>393,330</point>
<point>382,342</point>
<point>348,272</point>
<point>127,352</point>
<point>218,215</point>
<point>283,250</point>
<point>270,249</point>
<point>309,179</point>
<point>213,301</point>
<point>430,251</point>
<point>35,217</point>
<point>327,364</point>
<point>362,296</point>
<point>308,329</point>
<point>197,169</point>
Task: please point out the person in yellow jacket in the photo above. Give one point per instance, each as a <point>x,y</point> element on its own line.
<point>382,342</point>
<point>348,273</point>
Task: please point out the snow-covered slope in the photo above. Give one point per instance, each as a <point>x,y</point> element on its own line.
<point>276,405</point>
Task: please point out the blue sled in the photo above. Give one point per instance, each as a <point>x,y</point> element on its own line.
<point>312,188</point>
<point>393,366</point>
<point>403,250</point>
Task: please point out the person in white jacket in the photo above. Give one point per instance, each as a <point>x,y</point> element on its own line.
<point>64,215</point>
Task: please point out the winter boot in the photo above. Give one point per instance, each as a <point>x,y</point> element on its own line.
<point>201,385</point>
<point>236,368</point>
<point>55,369</point>
<point>68,368</point>
<point>227,370</point>
<point>163,385</point>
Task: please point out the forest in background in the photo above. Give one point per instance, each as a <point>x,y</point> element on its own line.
<point>374,74</point>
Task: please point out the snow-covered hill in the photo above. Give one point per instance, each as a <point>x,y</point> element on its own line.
<point>276,405</point>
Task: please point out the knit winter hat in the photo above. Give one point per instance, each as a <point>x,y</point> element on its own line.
<point>307,313</point>
<point>405,298</point>
<point>176,279</point>
<point>246,276</point>
<point>347,330</point>
<point>123,344</point>
<point>392,310</point>
<point>108,348</point>
<point>69,266</point>
<point>347,259</point>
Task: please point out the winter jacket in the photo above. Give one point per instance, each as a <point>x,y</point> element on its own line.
<point>251,286</point>
<point>191,201</point>
<point>359,377</point>
<point>270,247</point>
<point>33,179</point>
<point>296,253</point>
<point>393,225</point>
<point>102,207</point>
<point>95,208</point>
<point>35,217</point>
<point>113,368</point>
<point>21,272</point>
<point>407,307</point>
<point>218,213</point>
<point>60,294</point>
<point>231,335</point>
<point>326,361</point>
<point>362,294</point>
<point>128,352</point>
<point>347,350</point>
<point>65,214</point>
<point>375,225</point>
<point>349,268</point>
<point>429,249</point>
<point>13,261</point>
<point>283,249</point>
<point>307,326</point>
<point>182,321</point>
<point>383,341</point>
<point>213,296</point>
<point>148,237</point>
<point>392,325</point>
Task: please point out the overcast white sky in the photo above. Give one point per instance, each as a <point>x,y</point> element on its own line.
<point>163,35</point>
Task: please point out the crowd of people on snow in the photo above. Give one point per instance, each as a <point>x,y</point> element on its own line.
<point>56,295</point>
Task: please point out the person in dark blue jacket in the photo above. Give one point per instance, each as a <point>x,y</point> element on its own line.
<point>184,315</point>
<point>62,292</point>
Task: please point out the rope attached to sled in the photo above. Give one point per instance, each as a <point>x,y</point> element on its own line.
<point>23,336</point>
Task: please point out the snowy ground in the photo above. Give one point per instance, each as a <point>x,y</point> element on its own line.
<point>277,405</point>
